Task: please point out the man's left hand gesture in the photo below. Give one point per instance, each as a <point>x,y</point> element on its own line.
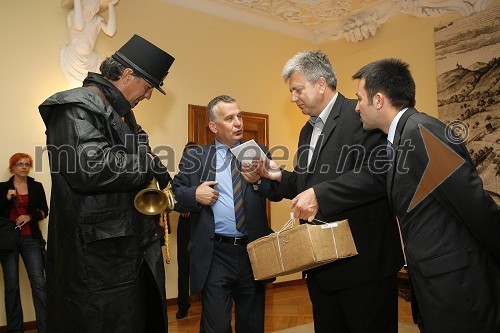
<point>249,171</point>
<point>305,205</point>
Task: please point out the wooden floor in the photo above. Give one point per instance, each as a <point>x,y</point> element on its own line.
<point>285,307</point>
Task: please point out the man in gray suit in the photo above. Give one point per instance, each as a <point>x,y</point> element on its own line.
<point>222,224</point>
<point>450,224</point>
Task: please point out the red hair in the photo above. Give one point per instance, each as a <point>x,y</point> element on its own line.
<point>16,158</point>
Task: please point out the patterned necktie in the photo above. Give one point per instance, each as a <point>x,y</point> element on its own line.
<point>239,212</point>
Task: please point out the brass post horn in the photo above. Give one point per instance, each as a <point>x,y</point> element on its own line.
<point>153,201</point>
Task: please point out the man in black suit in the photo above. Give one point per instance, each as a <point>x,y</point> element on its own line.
<point>183,236</point>
<point>450,225</point>
<point>357,294</point>
<point>220,266</point>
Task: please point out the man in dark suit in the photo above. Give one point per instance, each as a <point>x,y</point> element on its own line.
<point>450,225</point>
<point>357,294</point>
<point>220,266</point>
<point>183,236</point>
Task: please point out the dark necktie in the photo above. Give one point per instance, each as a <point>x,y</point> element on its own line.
<point>390,150</point>
<point>239,212</point>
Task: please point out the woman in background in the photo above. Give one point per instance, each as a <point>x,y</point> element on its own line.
<point>22,200</point>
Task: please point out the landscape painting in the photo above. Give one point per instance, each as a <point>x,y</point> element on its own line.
<point>468,84</point>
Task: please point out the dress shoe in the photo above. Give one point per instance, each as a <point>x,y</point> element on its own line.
<point>181,313</point>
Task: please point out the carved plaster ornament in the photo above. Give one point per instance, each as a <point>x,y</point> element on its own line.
<point>334,19</point>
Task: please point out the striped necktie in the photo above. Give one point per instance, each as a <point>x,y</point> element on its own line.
<point>239,212</point>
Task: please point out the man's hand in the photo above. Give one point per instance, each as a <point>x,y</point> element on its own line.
<point>305,205</point>
<point>249,171</point>
<point>205,194</point>
<point>268,169</point>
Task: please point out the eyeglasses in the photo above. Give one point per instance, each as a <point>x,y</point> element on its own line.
<point>24,165</point>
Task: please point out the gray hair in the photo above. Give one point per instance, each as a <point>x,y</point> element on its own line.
<point>313,64</point>
<point>211,112</point>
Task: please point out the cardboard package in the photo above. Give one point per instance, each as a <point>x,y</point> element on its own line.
<point>297,248</point>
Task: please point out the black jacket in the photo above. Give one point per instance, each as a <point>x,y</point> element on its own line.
<point>198,165</point>
<point>97,240</point>
<point>37,204</point>
<point>341,175</point>
<point>452,236</point>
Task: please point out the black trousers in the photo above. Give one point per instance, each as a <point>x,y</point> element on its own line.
<point>183,236</point>
<point>369,308</point>
<point>153,308</point>
<point>231,279</point>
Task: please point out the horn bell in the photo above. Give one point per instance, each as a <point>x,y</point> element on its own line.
<point>153,201</point>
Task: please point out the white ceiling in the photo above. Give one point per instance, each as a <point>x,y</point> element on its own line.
<point>321,20</point>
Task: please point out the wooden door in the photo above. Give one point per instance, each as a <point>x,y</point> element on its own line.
<point>255,126</point>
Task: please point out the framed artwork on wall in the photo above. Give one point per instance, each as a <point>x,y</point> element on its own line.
<point>468,85</point>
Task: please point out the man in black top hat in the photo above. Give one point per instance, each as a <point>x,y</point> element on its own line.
<point>104,268</point>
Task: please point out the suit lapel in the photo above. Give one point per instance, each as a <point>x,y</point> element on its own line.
<point>328,128</point>
<point>395,145</point>
<point>304,140</point>
<point>302,151</point>
<point>208,164</point>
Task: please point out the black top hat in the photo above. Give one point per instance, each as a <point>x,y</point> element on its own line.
<point>146,59</point>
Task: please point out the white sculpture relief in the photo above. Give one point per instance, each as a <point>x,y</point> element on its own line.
<point>306,12</point>
<point>331,10</point>
<point>364,25</point>
<point>330,19</point>
<point>360,27</point>
<point>250,3</point>
<point>84,24</point>
<point>431,8</point>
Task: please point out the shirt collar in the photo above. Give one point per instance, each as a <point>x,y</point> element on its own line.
<point>394,124</point>
<point>325,113</point>
<point>222,148</point>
